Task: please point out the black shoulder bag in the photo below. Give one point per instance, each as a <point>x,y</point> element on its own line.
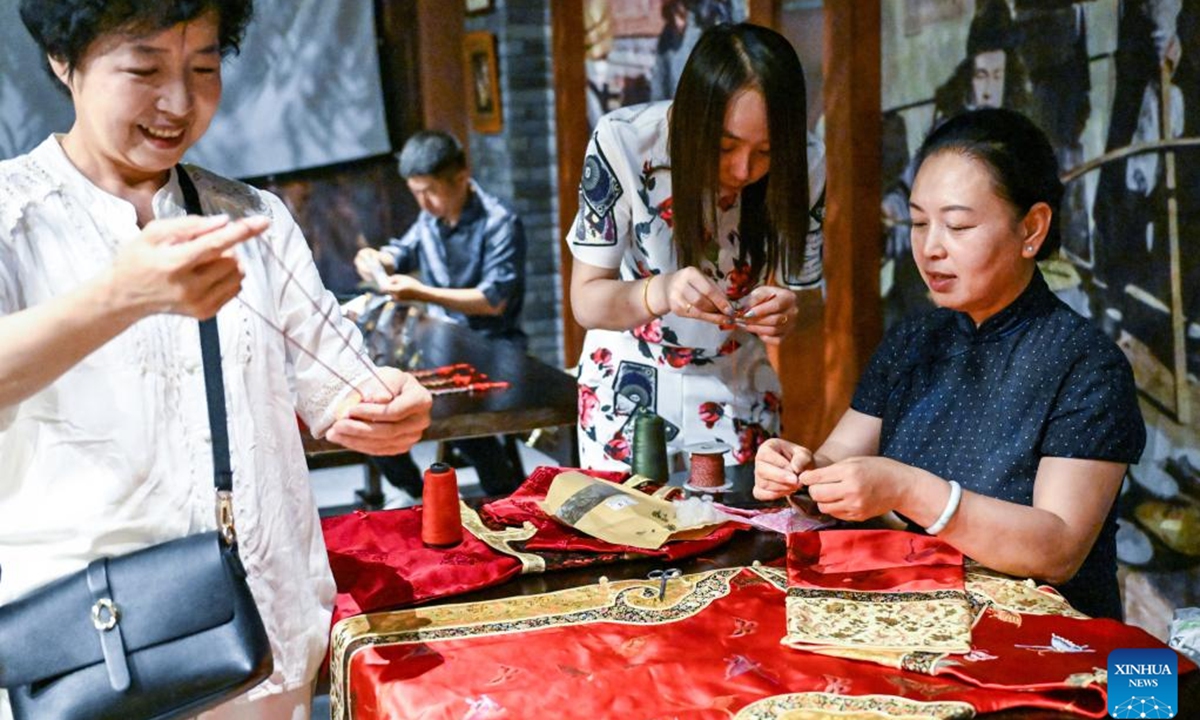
<point>163,632</point>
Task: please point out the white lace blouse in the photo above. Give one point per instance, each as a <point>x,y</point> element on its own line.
<point>115,455</point>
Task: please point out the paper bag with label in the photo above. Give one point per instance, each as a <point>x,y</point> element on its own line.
<point>615,513</point>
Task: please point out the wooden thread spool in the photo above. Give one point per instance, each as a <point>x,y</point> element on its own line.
<point>441,522</point>
<point>707,467</point>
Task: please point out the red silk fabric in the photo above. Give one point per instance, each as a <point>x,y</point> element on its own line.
<point>379,561</point>
<point>1025,656</point>
<point>872,560</point>
<point>1023,638</point>
<point>593,653</point>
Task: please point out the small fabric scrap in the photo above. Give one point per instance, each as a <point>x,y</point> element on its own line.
<point>1185,632</point>
<point>784,521</point>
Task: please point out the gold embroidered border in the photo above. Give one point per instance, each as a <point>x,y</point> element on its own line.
<point>633,602</point>
<point>777,576</point>
<point>1014,595</point>
<point>499,540</point>
<point>938,621</point>
<point>803,706</point>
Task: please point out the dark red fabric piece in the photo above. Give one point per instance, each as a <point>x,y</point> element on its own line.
<point>872,560</point>
<point>379,562</point>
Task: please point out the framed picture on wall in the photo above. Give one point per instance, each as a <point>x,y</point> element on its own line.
<point>483,81</point>
<point>475,7</point>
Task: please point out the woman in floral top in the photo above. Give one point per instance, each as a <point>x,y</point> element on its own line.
<point>671,279</point>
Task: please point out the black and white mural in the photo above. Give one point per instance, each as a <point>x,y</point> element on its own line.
<point>304,92</point>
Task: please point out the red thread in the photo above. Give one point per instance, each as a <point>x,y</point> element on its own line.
<point>325,318</point>
<point>441,522</point>
<point>472,388</point>
<point>442,371</point>
<point>707,471</point>
<point>457,378</point>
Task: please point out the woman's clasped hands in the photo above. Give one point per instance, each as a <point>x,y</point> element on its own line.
<point>768,311</point>
<point>853,489</point>
<point>384,420</point>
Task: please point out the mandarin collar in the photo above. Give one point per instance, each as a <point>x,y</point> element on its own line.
<point>1033,301</point>
<point>167,200</point>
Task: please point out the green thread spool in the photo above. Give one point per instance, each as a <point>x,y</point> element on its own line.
<point>650,446</point>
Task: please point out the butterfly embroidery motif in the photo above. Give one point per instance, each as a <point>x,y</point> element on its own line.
<point>505,673</point>
<point>632,647</point>
<point>483,708</point>
<point>736,665</point>
<point>836,685</point>
<point>1058,644</point>
<point>925,689</point>
<point>743,627</point>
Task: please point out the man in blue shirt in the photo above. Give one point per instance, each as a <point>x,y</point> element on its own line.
<point>469,252</point>
<point>469,248</point>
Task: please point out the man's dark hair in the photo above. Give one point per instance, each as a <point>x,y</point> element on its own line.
<point>432,153</point>
<point>65,29</point>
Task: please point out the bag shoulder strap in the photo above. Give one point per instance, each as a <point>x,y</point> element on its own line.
<point>210,351</point>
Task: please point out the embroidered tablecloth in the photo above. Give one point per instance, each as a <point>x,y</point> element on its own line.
<point>710,649</point>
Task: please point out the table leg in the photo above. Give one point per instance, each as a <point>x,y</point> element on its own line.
<point>371,495</point>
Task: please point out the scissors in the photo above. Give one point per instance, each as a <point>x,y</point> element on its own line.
<point>662,576</point>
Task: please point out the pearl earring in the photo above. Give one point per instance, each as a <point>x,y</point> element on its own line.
<point>1028,248</point>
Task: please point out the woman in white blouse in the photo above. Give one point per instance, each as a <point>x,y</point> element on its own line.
<point>104,440</point>
<point>694,220</point>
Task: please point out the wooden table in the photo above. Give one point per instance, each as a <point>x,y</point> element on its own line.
<point>538,396</point>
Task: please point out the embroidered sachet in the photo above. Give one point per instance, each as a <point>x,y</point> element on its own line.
<point>851,591</point>
<point>562,546</point>
<point>618,514</point>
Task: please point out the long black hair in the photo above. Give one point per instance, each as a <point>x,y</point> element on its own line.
<point>729,59</point>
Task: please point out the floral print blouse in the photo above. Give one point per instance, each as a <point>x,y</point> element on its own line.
<point>708,383</point>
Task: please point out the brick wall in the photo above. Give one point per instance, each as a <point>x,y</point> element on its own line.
<point>519,163</point>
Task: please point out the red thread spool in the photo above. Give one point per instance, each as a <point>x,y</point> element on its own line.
<point>441,522</point>
<point>707,467</point>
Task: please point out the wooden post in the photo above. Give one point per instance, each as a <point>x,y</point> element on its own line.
<point>853,231</point>
<point>570,103</point>
<point>443,99</point>
<point>1183,404</point>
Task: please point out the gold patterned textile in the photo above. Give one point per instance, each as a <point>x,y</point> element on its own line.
<point>854,591</point>
<point>812,706</point>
